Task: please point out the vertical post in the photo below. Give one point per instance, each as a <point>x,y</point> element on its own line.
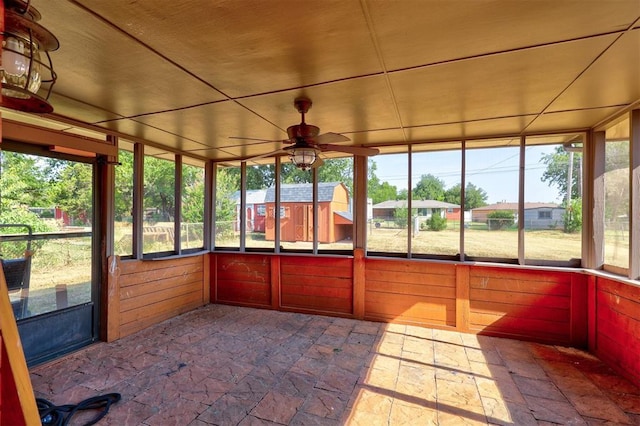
<point>360,201</point>
<point>242,226</point>
<point>138,191</point>
<point>597,157</point>
<point>177,215</point>
<point>463,206</point>
<point>112,300</point>
<point>359,283</point>
<point>462,298</point>
<point>275,282</point>
<point>409,196</point>
<point>276,209</point>
<point>104,186</point>
<point>209,206</point>
<point>521,198</point>
<point>314,172</point>
<point>634,195</point>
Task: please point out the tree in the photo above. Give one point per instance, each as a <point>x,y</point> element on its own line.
<point>376,190</point>
<point>23,181</point>
<point>192,194</point>
<point>124,186</point>
<point>258,177</point>
<point>226,185</point>
<point>473,196</point>
<point>573,216</point>
<point>557,171</point>
<point>429,188</point>
<point>71,189</point>
<point>401,217</point>
<point>159,184</point>
<point>382,192</point>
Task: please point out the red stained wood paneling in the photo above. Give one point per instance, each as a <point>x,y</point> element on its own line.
<point>320,284</point>
<point>617,308</point>
<point>243,279</point>
<point>522,304</point>
<point>410,292</point>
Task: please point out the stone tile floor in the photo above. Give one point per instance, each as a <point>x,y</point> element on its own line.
<point>225,365</point>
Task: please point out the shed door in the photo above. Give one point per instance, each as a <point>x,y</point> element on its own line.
<point>309,236</point>
<point>299,223</point>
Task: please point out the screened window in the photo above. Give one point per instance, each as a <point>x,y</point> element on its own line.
<point>259,179</point>
<point>227,207</point>
<point>553,197</point>
<point>335,204</point>
<point>123,221</point>
<point>158,201</point>
<point>492,167</point>
<point>192,211</point>
<point>387,228</point>
<point>436,203</point>
<point>296,202</point>
<point>617,196</point>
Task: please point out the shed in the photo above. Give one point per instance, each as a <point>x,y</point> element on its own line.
<point>256,210</point>
<point>335,222</point>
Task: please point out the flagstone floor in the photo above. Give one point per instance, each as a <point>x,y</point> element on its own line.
<point>225,365</point>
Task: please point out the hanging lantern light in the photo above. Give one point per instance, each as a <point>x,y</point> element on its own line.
<point>25,44</point>
<point>302,155</point>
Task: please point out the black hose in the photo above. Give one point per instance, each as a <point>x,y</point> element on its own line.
<point>60,415</point>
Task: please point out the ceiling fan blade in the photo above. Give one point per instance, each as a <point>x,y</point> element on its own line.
<point>254,139</point>
<point>318,163</point>
<point>355,150</point>
<point>330,138</point>
<point>268,154</point>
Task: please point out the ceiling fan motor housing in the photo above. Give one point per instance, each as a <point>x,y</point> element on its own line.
<point>302,131</point>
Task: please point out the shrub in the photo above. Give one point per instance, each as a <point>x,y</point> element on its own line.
<point>437,223</point>
<point>573,217</point>
<point>500,219</point>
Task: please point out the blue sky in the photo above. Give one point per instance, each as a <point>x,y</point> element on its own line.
<point>494,170</point>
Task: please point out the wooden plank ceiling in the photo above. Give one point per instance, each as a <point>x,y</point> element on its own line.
<point>196,75</point>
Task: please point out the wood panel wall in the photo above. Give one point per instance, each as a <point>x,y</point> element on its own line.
<point>411,292</point>
<point>145,292</point>
<point>550,306</point>
<point>615,308</point>
<point>537,305</point>
<point>316,284</point>
<point>528,305</point>
<point>241,279</point>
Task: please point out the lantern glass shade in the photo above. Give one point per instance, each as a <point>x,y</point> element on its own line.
<point>20,68</point>
<point>26,67</point>
<point>303,158</point>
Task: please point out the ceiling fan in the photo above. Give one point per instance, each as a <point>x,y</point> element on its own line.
<point>307,144</point>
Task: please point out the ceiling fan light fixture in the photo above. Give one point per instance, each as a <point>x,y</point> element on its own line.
<point>304,157</point>
<point>22,70</point>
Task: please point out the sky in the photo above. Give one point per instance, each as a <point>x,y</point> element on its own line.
<point>494,170</point>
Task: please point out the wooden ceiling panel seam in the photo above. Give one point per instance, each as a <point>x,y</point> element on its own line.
<point>506,51</point>
<point>378,50</point>
<point>585,69</point>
